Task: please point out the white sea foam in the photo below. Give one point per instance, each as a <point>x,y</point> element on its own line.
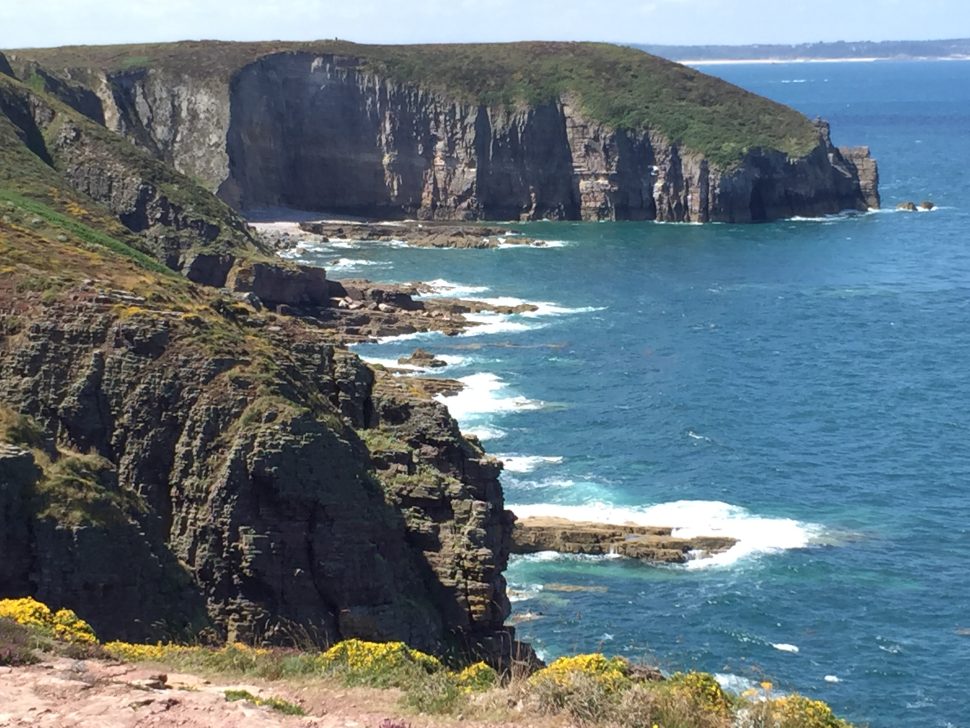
<point>441,287</point>
<point>527,463</point>
<point>689,519</point>
<point>408,337</point>
<point>494,323</point>
<point>452,360</point>
<point>832,679</point>
<point>542,308</point>
<point>485,432</point>
<point>785,647</point>
<point>524,592</point>
<point>392,363</point>
<point>484,393</point>
<point>734,683</point>
<point>552,556</point>
<point>344,264</point>
<point>504,245</point>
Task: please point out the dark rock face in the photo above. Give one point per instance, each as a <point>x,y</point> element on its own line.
<point>5,68</point>
<point>320,132</point>
<point>18,476</point>
<point>276,284</point>
<point>262,510</point>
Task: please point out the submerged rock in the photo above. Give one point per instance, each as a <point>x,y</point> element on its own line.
<point>422,358</point>
<point>646,543</point>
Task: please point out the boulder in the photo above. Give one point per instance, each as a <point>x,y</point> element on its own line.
<point>906,207</point>
<point>927,205</point>
<point>654,544</point>
<point>422,358</point>
<point>277,284</point>
<point>207,269</point>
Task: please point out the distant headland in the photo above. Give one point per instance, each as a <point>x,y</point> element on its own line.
<point>890,50</point>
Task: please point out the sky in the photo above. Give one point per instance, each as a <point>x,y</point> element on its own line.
<point>33,23</point>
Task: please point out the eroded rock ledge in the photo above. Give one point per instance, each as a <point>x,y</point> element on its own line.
<point>654,544</point>
<point>428,234</point>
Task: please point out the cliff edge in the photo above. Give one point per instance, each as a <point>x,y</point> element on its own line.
<point>512,131</point>
<point>179,461</point>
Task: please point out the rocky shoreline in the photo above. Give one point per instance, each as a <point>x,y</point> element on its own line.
<point>651,544</point>
<point>425,234</point>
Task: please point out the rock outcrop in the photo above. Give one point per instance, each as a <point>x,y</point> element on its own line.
<point>330,131</point>
<point>264,483</point>
<point>653,544</point>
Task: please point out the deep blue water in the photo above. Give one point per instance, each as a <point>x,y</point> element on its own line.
<point>801,385</point>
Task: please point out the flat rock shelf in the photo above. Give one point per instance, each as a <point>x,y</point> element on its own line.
<point>654,544</point>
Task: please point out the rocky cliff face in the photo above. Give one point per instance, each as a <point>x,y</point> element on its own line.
<point>322,132</point>
<point>263,483</point>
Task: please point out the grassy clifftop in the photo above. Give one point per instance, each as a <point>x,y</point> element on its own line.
<point>617,86</point>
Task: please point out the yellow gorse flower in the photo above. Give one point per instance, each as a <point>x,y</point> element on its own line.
<point>477,677</point>
<point>63,624</point>
<point>374,657</point>
<point>612,672</point>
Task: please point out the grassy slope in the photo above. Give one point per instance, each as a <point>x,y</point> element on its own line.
<point>618,86</point>
<point>31,173</point>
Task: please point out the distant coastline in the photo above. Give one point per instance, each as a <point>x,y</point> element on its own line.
<point>747,61</point>
<point>832,52</point>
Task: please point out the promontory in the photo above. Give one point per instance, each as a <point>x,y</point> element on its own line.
<point>517,131</point>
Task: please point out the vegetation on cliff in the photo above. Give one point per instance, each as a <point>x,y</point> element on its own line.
<point>587,690</point>
<point>620,87</point>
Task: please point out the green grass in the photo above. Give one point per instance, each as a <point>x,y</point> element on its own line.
<point>84,232</point>
<point>278,704</point>
<point>617,86</point>
<point>80,490</point>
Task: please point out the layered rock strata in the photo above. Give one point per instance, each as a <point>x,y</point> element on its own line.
<point>646,543</point>
<point>321,131</point>
<point>274,488</point>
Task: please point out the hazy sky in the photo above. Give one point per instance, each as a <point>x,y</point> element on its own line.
<point>25,23</point>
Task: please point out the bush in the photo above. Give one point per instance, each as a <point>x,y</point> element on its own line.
<point>477,678</point>
<point>673,705</point>
<point>790,711</point>
<point>378,664</point>
<point>584,686</point>
<point>62,625</point>
<point>434,694</point>
<point>15,644</point>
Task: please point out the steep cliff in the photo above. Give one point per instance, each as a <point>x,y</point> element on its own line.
<point>520,131</point>
<point>235,469</point>
<point>49,145</point>
<point>183,463</point>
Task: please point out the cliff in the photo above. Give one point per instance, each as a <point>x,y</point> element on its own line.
<point>519,131</point>
<point>178,460</point>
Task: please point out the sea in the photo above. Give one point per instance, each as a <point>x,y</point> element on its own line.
<point>802,386</point>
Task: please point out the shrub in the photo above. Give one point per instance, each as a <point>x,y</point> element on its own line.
<point>434,693</point>
<point>791,711</point>
<point>477,678</point>
<point>701,689</point>
<point>379,664</point>
<point>63,624</point>
<point>669,705</point>
<point>15,644</point>
<point>584,686</point>
<point>613,672</point>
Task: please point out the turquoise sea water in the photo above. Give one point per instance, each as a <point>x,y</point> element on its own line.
<point>800,385</point>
